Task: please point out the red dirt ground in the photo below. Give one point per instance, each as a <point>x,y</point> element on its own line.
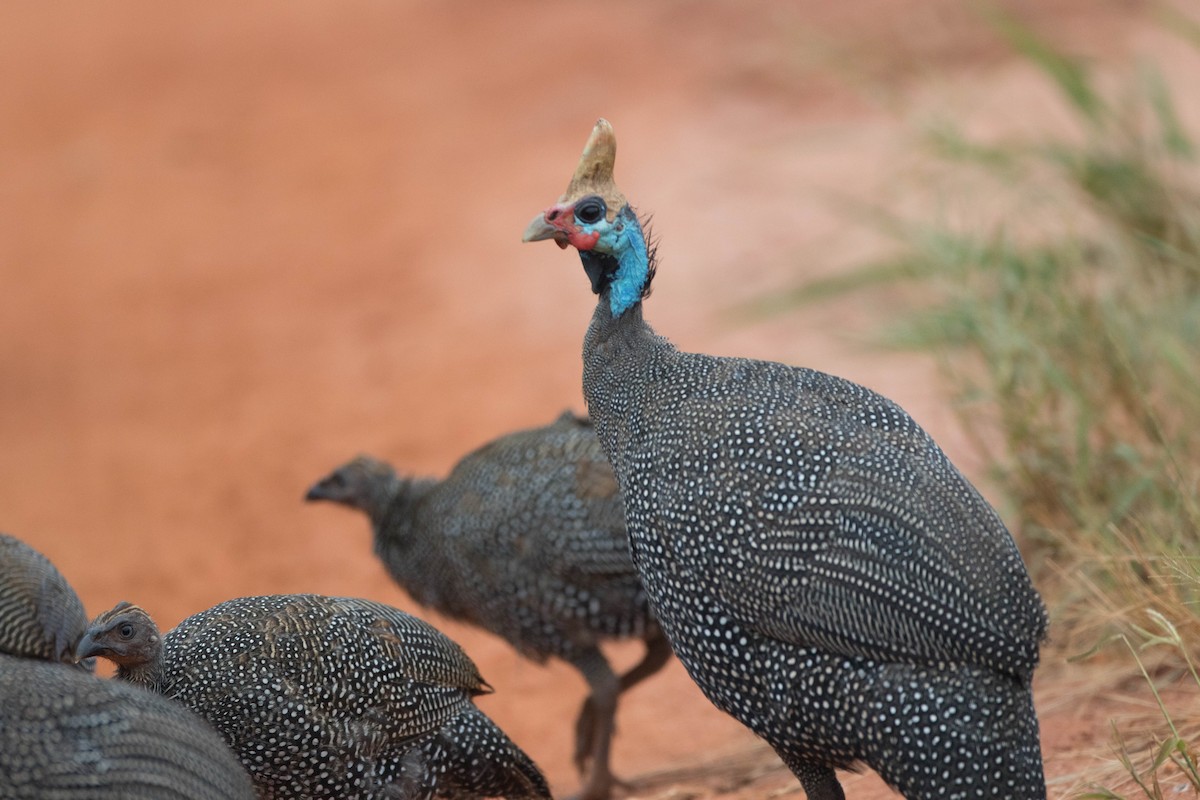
<point>240,243</point>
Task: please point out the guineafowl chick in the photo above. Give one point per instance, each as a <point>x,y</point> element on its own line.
<point>326,697</point>
<point>42,616</point>
<point>524,538</point>
<point>822,570</point>
<point>68,735</point>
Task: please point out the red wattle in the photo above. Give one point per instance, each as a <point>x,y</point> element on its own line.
<point>583,241</point>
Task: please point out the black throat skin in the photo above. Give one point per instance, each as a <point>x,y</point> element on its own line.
<point>600,268</point>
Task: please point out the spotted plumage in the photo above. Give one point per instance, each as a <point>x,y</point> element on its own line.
<point>42,616</point>
<point>526,539</point>
<point>68,735</point>
<point>823,571</point>
<point>326,697</point>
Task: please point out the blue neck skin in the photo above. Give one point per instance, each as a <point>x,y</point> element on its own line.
<point>627,244</point>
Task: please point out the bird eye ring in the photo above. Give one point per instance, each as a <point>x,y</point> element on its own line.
<point>126,630</point>
<point>590,210</point>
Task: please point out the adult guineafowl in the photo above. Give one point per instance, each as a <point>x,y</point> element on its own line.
<point>821,569</point>
<point>326,697</point>
<point>68,735</point>
<point>524,538</point>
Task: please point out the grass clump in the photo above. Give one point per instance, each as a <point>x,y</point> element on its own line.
<point>1170,757</point>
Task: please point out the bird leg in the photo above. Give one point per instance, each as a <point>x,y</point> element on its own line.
<point>594,727</point>
<point>822,786</point>
<point>658,653</point>
<point>819,781</point>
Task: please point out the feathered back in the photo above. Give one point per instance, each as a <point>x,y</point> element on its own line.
<point>41,616</point>
<point>67,735</point>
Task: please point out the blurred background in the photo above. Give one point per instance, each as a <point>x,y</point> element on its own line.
<point>240,243</point>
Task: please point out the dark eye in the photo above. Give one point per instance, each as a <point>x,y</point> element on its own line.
<point>589,210</point>
<point>126,630</point>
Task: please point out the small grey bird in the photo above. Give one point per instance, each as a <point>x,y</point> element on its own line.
<point>822,570</point>
<point>524,538</point>
<point>326,697</point>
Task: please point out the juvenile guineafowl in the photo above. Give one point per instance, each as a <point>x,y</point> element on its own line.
<point>822,570</point>
<point>42,616</point>
<point>68,735</point>
<point>525,538</point>
<point>326,697</point>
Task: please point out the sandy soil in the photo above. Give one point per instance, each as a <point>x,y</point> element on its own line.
<point>240,243</point>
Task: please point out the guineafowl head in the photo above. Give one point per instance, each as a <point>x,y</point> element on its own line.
<point>125,635</point>
<point>594,217</point>
<point>365,483</point>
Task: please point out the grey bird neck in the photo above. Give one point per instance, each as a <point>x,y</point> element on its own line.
<point>392,511</point>
<point>618,357</point>
<point>149,673</point>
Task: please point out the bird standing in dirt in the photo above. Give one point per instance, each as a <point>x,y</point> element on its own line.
<point>68,735</point>
<point>326,697</point>
<point>524,538</point>
<point>822,570</point>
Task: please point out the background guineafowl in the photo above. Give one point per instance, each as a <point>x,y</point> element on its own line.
<point>326,697</point>
<point>526,539</point>
<point>823,571</point>
<point>68,735</point>
<point>42,616</point>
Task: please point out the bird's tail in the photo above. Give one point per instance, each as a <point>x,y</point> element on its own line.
<point>968,732</point>
<point>481,761</point>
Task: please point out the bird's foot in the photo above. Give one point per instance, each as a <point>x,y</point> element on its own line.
<point>601,786</point>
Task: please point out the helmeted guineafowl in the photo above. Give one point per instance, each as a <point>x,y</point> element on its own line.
<point>823,571</point>
<point>326,697</point>
<point>524,538</point>
<point>68,735</point>
<point>42,616</point>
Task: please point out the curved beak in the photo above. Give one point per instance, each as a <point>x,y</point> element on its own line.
<point>540,229</point>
